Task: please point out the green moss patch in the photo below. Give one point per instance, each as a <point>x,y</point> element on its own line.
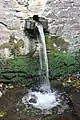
<point>63,64</point>
<point>27,67</point>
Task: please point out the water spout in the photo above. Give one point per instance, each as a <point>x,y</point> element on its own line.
<point>36,18</point>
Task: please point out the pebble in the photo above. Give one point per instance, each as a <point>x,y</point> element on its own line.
<point>1,85</point>
<point>0,93</point>
<point>11,87</point>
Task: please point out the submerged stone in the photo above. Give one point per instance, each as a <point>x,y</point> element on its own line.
<point>32,100</point>
<point>0,93</point>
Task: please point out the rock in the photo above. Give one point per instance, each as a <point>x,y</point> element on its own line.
<point>0,93</point>
<point>32,100</point>
<point>11,86</point>
<point>1,85</point>
<point>77,109</point>
<point>75,100</point>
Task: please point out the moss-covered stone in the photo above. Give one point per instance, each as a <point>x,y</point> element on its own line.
<point>13,45</point>
<point>56,43</point>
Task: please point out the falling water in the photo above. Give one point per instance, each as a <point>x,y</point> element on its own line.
<point>46,99</point>
<point>43,55</point>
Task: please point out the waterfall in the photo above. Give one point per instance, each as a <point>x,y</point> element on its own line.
<point>44,99</point>
<point>43,58</point>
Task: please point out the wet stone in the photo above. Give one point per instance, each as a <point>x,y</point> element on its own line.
<point>32,100</point>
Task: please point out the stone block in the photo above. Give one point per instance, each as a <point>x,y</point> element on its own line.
<point>30,28</point>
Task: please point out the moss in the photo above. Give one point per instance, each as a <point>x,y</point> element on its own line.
<point>63,64</point>
<point>20,68</point>
<point>14,46</point>
<point>55,43</point>
<point>24,63</point>
<point>23,67</point>
<point>60,64</point>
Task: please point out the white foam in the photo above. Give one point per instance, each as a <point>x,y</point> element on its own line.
<point>43,100</point>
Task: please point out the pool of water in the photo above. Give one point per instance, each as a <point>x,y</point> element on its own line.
<point>46,101</point>
<point>11,103</point>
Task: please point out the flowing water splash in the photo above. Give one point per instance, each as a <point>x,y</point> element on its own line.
<point>43,101</point>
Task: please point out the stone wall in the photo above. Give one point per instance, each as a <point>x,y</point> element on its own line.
<point>63,17</point>
<point>64,20</point>
<point>12,19</point>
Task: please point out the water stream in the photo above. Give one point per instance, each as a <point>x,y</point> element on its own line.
<point>45,99</point>
<point>43,58</point>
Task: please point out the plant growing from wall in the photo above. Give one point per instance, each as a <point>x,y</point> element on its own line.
<point>13,45</point>
<point>56,43</point>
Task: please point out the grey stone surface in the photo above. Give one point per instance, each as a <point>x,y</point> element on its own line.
<point>63,17</point>
<point>12,17</point>
<point>64,20</point>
